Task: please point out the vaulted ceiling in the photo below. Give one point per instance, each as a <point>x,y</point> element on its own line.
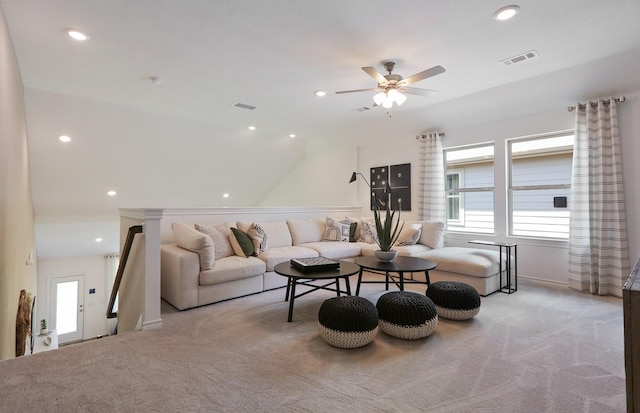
<point>147,139</point>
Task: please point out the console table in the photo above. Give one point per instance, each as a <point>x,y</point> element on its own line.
<point>509,287</point>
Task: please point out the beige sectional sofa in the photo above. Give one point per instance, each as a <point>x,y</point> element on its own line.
<point>200,269</point>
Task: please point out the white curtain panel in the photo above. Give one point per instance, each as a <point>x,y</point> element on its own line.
<point>431,196</point>
<point>598,245</point>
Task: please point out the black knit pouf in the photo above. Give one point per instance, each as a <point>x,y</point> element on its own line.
<point>348,321</point>
<point>407,315</point>
<point>454,300</point>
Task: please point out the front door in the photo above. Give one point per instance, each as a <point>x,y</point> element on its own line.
<point>67,307</point>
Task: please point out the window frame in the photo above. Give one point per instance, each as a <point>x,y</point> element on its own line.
<point>463,190</point>
<point>511,188</point>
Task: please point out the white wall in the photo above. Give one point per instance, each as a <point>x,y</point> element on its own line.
<point>17,235</point>
<point>94,270</point>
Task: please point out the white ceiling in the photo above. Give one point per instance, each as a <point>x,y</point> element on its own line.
<point>138,138</point>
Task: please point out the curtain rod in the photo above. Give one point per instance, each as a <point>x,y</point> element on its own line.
<point>423,136</point>
<point>581,105</point>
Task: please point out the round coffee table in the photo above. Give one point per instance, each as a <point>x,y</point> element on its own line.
<point>399,265</point>
<point>297,277</point>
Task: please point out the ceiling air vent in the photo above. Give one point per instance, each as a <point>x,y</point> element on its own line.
<point>520,58</point>
<point>243,106</point>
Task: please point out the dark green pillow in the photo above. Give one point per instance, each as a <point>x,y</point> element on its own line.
<point>241,243</point>
<point>352,231</point>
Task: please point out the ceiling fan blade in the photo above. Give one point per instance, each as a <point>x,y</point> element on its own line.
<point>357,90</point>
<point>419,92</point>
<point>435,70</point>
<point>375,74</point>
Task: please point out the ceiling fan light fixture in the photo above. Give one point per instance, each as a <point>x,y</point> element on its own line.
<point>387,104</point>
<point>380,98</point>
<point>396,96</point>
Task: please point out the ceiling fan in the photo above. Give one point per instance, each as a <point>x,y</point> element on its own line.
<point>391,85</point>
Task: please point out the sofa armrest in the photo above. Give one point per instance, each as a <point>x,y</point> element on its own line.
<point>179,276</point>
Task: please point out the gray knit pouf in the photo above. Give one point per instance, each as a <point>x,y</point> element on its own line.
<point>454,300</point>
<point>407,315</point>
<point>348,321</point>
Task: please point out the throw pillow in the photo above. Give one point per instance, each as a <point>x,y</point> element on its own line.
<point>258,237</point>
<point>337,230</point>
<point>241,243</point>
<point>368,232</point>
<point>352,231</point>
<point>220,236</point>
<point>432,234</point>
<point>410,234</point>
<point>188,238</point>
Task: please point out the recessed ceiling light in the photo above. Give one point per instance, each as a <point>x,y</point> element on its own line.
<point>507,12</point>
<point>112,193</point>
<point>225,195</point>
<point>74,34</point>
<point>98,239</point>
<point>320,93</point>
<point>64,138</point>
<point>292,135</point>
<point>252,127</point>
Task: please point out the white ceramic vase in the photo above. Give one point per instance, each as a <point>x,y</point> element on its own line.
<point>386,255</point>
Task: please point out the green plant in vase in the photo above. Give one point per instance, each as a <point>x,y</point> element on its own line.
<point>387,231</point>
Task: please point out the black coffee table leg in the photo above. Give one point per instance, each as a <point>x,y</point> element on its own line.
<point>401,280</point>
<point>359,281</point>
<point>286,296</point>
<point>347,284</point>
<point>338,287</point>
<point>293,296</point>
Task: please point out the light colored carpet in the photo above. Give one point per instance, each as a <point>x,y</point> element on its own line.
<point>542,349</point>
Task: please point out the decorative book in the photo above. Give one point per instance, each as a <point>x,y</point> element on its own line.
<point>314,264</point>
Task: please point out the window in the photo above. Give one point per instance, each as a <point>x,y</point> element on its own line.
<point>540,181</point>
<point>469,189</point>
<point>454,199</point>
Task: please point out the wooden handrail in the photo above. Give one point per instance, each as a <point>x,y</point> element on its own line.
<point>136,229</point>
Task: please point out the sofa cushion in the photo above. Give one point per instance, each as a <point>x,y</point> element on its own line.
<point>232,268</point>
<point>337,230</point>
<point>416,250</point>
<point>220,236</point>
<point>189,238</point>
<point>274,256</point>
<point>306,230</point>
<point>410,234</point>
<point>334,250</point>
<point>241,243</point>
<point>468,261</point>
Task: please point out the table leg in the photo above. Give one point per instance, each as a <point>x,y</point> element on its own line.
<point>293,296</point>
<point>401,273</point>
<point>347,284</point>
<point>359,281</point>
<point>337,286</point>
<point>386,281</point>
<point>427,279</point>
<point>286,296</point>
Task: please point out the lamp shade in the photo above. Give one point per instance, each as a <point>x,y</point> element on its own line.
<point>379,98</point>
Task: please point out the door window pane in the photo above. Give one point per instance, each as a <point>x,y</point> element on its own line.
<point>67,307</point>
